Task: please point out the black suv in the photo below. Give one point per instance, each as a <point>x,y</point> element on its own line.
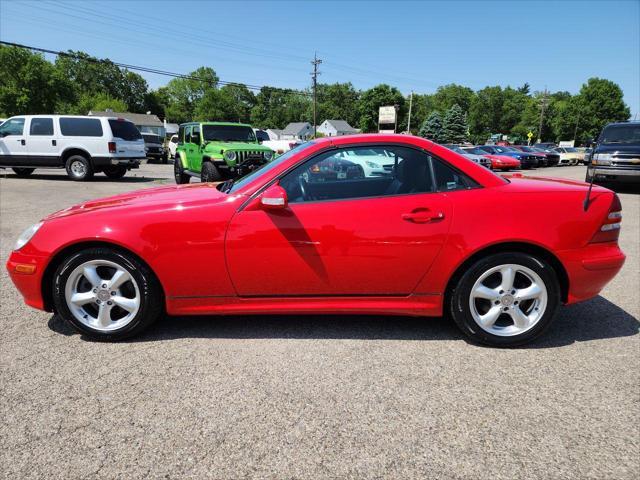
<point>615,157</point>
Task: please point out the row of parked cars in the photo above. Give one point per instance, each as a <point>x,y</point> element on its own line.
<point>500,157</point>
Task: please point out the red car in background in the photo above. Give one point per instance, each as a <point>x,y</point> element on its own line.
<point>498,162</point>
<point>434,234</point>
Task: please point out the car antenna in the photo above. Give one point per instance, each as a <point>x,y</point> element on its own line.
<point>587,200</point>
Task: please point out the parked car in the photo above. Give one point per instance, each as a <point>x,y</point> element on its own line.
<point>615,157</point>
<point>542,157</point>
<point>481,159</point>
<point>498,162</point>
<point>81,144</point>
<point>545,145</point>
<point>214,151</point>
<point>371,162</point>
<point>423,241</point>
<point>569,156</point>
<point>527,160</point>
<point>553,158</point>
<point>172,145</point>
<point>278,146</point>
<point>154,148</point>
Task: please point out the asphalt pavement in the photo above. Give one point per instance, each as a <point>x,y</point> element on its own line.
<point>314,396</point>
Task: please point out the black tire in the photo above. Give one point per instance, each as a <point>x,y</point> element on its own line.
<point>115,172</point>
<point>178,172</point>
<point>209,173</point>
<point>151,297</point>
<point>23,172</point>
<point>79,168</point>
<point>460,295</point>
<point>165,159</point>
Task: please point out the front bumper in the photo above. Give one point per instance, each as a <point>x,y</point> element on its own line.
<point>590,268</point>
<point>26,272</point>
<point>614,174</point>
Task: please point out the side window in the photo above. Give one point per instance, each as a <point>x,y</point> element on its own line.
<point>80,127</point>
<point>195,134</point>
<point>13,126</point>
<point>41,126</point>
<point>449,179</point>
<point>180,134</point>
<point>187,134</point>
<point>359,172</point>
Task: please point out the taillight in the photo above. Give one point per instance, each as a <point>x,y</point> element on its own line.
<point>112,147</point>
<point>610,229</point>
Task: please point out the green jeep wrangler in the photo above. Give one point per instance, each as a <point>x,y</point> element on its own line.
<point>214,151</point>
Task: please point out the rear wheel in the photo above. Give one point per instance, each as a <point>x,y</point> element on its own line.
<point>115,171</point>
<point>178,172</point>
<point>79,168</point>
<point>505,299</point>
<point>106,294</point>
<point>210,173</point>
<point>23,172</point>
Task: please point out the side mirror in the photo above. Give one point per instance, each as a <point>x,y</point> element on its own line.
<point>274,198</point>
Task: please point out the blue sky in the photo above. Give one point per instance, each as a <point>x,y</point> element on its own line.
<point>412,45</point>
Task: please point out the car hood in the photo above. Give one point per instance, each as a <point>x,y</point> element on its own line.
<point>503,158</point>
<point>618,148</point>
<point>236,146</point>
<point>175,196</point>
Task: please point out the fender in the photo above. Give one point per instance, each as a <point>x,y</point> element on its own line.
<point>183,159</point>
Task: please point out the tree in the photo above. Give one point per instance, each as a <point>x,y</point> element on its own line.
<point>449,95</point>
<point>432,128</point>
<point>337,101</point>
<point>599,102</point>
<point>101,102</point>
<point>276,107</point>
<point>485,113</point>
<point>371,100</point>
<point>29,84</point>
<point>454,125</point>
<point>183,94</point>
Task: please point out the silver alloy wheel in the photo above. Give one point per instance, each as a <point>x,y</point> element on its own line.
<point>508,300</point>
<point>78,168</point>
<point>103,304</point>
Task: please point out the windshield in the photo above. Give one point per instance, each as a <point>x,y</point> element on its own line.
<point>241,182</point>
<point>228,133</point>
<point>570,150</point>
<point>628,134</point>
<point>475,151</point>
<point>504,149</point>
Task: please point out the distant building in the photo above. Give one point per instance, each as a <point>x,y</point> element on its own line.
<point>297,131</point>
<point>146,123</point>
<point>336,128</point>
<point>274,133</point>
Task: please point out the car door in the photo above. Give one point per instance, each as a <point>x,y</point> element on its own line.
<point>194,154</point>
<point>13,143</point>
<point>343,233</point>
<point>42,143</point>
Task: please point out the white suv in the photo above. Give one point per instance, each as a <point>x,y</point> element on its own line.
<point>83,145</point>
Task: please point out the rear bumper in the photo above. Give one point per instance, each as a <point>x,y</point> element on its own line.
<point>28,284</point>
<point>590,268</point>
<point>121,161</point>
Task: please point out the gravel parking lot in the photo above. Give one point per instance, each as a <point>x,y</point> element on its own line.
<point>314,397</point>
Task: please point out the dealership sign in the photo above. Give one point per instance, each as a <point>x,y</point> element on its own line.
<point>387,115</point>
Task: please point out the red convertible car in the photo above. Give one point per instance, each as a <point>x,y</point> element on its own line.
<point>432,235</point>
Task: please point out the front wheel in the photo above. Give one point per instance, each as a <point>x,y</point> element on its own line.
<point>505,299</point>
<point>106,294</point>
<point>115,172</point>
<point>209,173</point>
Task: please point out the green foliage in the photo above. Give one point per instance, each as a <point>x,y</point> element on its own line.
<point>449,95</point>
<point>431,128</point>
<point>454,125</point>
<point>101,102</point>
<point>29,84</point>
<point>599,102</point>
<point>182,95</point>
<point>374,98</point>
<point>275,107</point>
<point>337,101</point>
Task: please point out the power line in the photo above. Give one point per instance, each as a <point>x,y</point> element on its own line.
<point>149,69</point>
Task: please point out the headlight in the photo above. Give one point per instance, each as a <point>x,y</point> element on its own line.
<point>371,164</point>
<point>268,156</point>
<point>27,235</point>
<point>230,155</point>
<point>601,159</point>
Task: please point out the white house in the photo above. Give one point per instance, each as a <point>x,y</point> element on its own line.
<point>297,131</point>
<point>336,128</point>
<point>274,133</point>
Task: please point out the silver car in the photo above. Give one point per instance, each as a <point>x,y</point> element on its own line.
<point>484,161</point>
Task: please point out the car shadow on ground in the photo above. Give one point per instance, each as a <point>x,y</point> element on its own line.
<point>596,319</point>
<point>98,178</point>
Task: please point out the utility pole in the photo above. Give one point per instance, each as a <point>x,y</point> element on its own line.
<point>544,105</point>
<point>314,75</point>
<point>409,121</point>
<point>575,132</point>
